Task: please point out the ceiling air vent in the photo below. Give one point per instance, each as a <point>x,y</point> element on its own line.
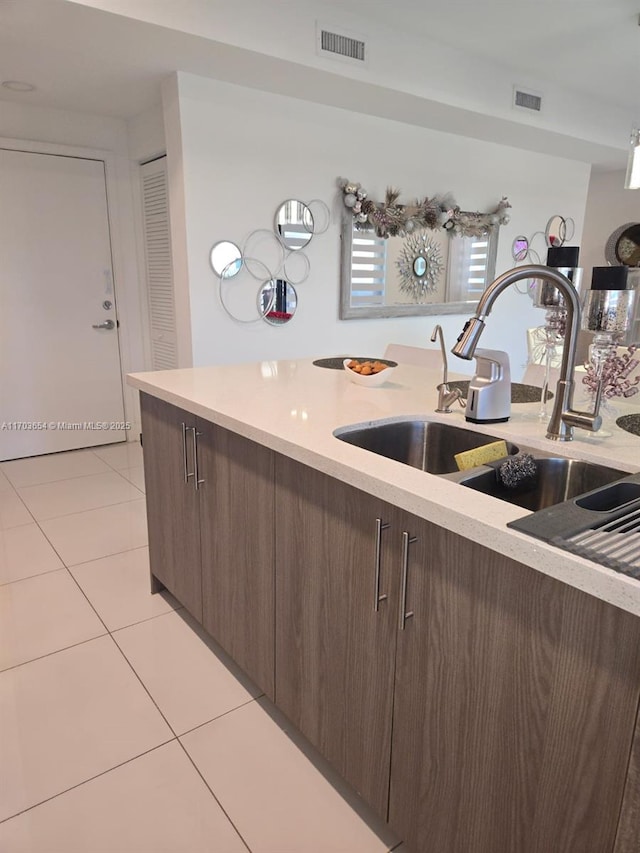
<point>340,45</point>
<point>527,100</point>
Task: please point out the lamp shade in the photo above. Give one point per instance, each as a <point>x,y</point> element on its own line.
<point>632,179</point>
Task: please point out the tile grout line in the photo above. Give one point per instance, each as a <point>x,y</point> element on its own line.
<point>78,479</point>
<point>92,508</point>
<point>75,566</point>
<point>146,689</point>
<point>118,443</point>
<point>147,618</point>
<point>220,716</point>
<point>110,632</point>
<point>90,779</point>
<point>69,565</point>
<point>58,479</point>
<point>55,651</point>
<point>177,737</point>
<point>210,789</point>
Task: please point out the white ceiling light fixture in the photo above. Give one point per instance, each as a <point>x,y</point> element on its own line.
<point>632,179</point>
<point>18,86</point>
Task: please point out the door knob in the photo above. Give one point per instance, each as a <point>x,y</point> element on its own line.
<point>108,324</point>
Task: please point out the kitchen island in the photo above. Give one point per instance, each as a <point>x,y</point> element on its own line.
<point>477,687</point>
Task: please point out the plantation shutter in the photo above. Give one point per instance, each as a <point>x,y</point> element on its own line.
<point>368,262</point>
<point>471,267</point>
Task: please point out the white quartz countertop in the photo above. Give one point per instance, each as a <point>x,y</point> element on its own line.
<point>294,407</point>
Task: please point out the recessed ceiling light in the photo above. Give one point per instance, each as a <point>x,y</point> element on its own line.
<point>18,85</point>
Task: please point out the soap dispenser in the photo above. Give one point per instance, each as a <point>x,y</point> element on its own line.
<point>489,395</point>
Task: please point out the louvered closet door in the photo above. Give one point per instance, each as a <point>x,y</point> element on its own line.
<point>157,242</point>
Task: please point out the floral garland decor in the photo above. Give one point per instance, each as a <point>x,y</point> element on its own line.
<point>390,219</point>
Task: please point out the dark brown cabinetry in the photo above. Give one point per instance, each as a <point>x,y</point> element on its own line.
<point>335,651</point>
<point>515,703</point>
<point>237,541</point>
<point>514,695</point>
<point>478,705</point>
<point>173,515</point>
<point>212,546</point>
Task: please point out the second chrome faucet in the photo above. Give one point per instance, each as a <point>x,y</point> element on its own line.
<point>446,397</point>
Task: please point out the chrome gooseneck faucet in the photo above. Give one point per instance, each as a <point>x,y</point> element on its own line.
<point>445,396</point>
<point>564,417</point>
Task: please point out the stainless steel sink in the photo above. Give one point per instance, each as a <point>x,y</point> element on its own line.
<point>422,444</point>
<point>431,446</point>
<point>557,480</point>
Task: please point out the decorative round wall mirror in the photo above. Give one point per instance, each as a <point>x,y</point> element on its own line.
<point>559,230</point>
<point>277,301</point>
<point>237,294</point>
<point>321,215</point>
<point>296,268</point>
<point>294,224</point>
<point>265,245</point>
<point>627,248</point>
<point>226,259</point>
<point>556,231</point>
<point>520,248</point>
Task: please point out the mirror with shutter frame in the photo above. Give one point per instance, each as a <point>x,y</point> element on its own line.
<point>425,272</point>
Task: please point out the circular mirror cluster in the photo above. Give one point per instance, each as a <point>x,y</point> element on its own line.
<point>226,259</point>
<point>558,230</point>
<point>274,258</point>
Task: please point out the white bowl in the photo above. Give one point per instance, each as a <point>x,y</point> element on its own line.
<point>374,380</point>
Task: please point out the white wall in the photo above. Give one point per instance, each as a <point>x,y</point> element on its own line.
<point>145,135</point>
<point>402,59</point>
<point>85,132</point>
<point>244,151</point>
<point>609,206</point>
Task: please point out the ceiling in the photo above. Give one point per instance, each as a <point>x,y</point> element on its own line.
<point>590,46</point>
<point>90,60</point>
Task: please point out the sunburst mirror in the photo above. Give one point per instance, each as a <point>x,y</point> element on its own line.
<point>420,266</point>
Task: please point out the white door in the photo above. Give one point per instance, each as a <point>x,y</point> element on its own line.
<point>60,376</point>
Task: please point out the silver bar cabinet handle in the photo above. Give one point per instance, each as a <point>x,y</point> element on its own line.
<point>404,614</point>
<point>185,469</point>
<point>377,598</point>
<point>196,476</point>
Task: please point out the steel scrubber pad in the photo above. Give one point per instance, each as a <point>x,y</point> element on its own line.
<point>518,471</point>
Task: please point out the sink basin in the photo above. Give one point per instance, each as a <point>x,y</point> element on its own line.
<point>423,444</point>
<point>558,480</point>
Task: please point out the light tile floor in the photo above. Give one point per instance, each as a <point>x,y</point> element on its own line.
<point>123,729</point>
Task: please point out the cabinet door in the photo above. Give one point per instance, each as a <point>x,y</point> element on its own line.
<point>238,527</point>
<point>628,834</point>
<point>334,651</point>
<point>172,503</point>
<point>514,707</point>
